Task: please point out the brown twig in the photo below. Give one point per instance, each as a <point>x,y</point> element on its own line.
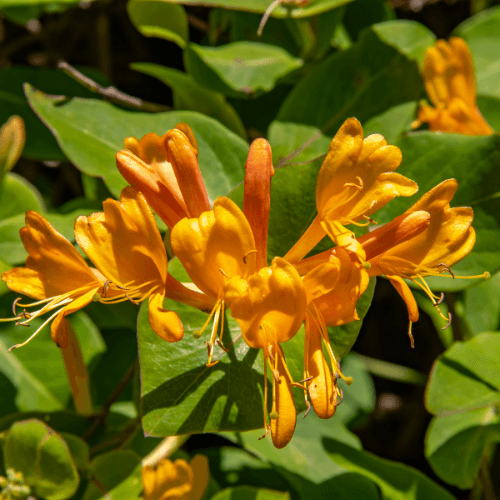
<point>111,94</point>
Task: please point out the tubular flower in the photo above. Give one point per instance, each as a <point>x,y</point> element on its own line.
<point>165,169</point>
<point>176,480</point>
<point>356,179</point>
<point>270,307</point>
<point>124,243</point>
<point>332,289</point>
<point>216,249</point>
<point>451,86</point>
<point>440,237</point>
<point>55,275</point>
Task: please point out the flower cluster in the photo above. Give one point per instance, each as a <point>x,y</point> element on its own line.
<point>224,251</point>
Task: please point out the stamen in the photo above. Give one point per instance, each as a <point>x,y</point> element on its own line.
<point>444,267</point>
<point>449,322</point>
<point>341,397</point>
<point>223,272</point>
<point>440,301</point>
<point>247,254</point>
<point>308,407</point>
<point>219,343</point>
<point>370,220</point>
<point>14,305</point>
<point>132,300</point>
<point>412,340</point>
<point>306,380</point>
<point>265,395</point>
<point>266,15</point>
<point>359,186</point>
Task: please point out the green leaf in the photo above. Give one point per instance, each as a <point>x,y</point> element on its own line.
<point>482,307</point>
<point>260,6</point>
<point>60,421</point>
<point>429,158</point>
<point>395,480</point>
<point>44,459</point>
<point>4,266</point>
<point>490,109</point>
<point>482,34</point>
<point>352,83</point>
<point>239,69</point>
<point>466,376</point>
<point>40,143</point>
<point>78,448</point>
<point>156,18</point>
<point>408,37</point>
<point>191,96</point>
<point>455,445</point>
<point>35,375</point>
<point>363,13</point>
<point>117,476</point>
<point>250,493</point>
<point>17,196</point>
<point>22,3</point>
<point>92,144</point>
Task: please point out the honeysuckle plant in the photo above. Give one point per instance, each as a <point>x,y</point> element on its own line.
<point>207,267</point>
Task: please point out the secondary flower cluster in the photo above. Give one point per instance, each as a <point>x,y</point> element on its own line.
<point>224,251</point>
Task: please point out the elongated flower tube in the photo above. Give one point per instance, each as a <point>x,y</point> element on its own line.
<point>356,179</point>
<point>443,237</point>
<point>146,166</point>
<point>216,249</point>
<point>177,480</point>
<point>270,307</point>
<point>257,195</point>
<point>333,289</point>
<point>55,275</point>
<point>124,243</point>
<point>451,85</point>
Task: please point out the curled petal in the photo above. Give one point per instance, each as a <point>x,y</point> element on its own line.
<point>166,324</point>
<point>199,464</point>
<point>404,290</point>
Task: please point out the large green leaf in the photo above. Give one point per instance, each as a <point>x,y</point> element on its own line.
<point>40,144</point>
<point>17,196</point>
<point>21,3</point>
<point>466,376</point>
<point>429,158</point>
<point>455,445</point>
<point>260,6</point>
<point>92,144</point>
<point>116,476</point>
<point>44,459</point>
<point>190,95</point>
<point>482,33</point>
<point>395,480</point>
<point>239,69</point>
<point>250,493</point>
<point>356,82</point>
<point>156,18</point>
<point>490,109</point>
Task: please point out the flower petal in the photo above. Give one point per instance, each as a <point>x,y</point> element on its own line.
<point>404,290</point>
<point>166,324</point>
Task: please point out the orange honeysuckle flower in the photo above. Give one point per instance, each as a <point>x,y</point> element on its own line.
<point>55,275</point>
<point>451,86</point>
<point>356,179</point>
<point>442,236</point>
<point>332,289</point>
<point>165,169</point>
<point>124,243</point>
<point>177,480</point>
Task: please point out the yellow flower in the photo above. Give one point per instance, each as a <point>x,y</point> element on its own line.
<point>426,240</point>
<point>55,275</point>
<point>333,289</point>
<point>451,86</point>
<point>125,245</point>
<point>165,169</point>
<point>176,480</point>
<point>356,179</point>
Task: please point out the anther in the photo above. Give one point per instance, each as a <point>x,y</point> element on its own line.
<point>223,272</point>
<point>449,322</point>
<point>17,323</point>
<point>247,254</point>
<point>132,300</point>
<point>444,267</point>
<point>219,343</point>
<point>306,379</point>
<point>440,301</point>
<point>14,305</point>
<point>267,432</point>
<point>341,396</point>
<point>276,375</point>
<point>308,409</point>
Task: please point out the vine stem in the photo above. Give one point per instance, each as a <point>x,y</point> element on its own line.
<point>166,448</point>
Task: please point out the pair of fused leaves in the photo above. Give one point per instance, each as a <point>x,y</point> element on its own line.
<point>464,395</point>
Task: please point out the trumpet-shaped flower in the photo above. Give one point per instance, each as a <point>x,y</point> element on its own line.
<point>451,86</point>
<point>55,275</point>
<point>441,237</point>
<point>165,169</point>
<point>177,480</point>
<point>356,179</point>
<point>125,245</point>
<point>332,289</point>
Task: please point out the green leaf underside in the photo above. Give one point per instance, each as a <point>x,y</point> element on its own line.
<point>250,493</point>
<point>92,144</point>
<point>239,68</point>
<point>313,8</point>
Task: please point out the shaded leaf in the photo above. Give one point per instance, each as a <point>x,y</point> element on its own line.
<point>395,480</point>
<point>155,18</point>
<point>250,493</point>
<point>116,476</point>
<point>91,145</point>
<point>190,95</point>
<point>239,69</point>
<point>17,196</point>
<point>44,459</point>
<point>78,448</point>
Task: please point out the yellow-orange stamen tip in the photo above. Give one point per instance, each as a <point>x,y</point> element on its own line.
<point>273,415</point>
<point>348,380</point>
